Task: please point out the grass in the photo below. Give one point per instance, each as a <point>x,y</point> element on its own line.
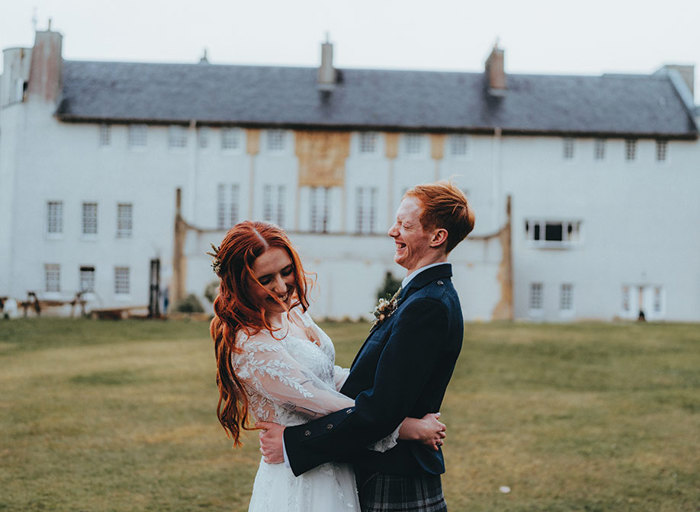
<point>119,416</point>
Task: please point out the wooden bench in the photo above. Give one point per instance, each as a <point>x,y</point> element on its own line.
<point>119,312</point>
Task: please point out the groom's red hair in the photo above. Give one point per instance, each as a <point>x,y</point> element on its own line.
<point>444,206</point>
<point>235,311</point>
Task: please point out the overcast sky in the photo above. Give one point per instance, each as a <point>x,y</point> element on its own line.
<point>539,36</point>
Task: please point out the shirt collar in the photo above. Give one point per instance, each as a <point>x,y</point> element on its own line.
<point>413,274</point>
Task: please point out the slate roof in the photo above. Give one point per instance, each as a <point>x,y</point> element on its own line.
<point>607,105</point>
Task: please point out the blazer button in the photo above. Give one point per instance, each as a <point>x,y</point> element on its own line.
<point>329,426</point>
<point>307,433</point>
<point>440,283</point>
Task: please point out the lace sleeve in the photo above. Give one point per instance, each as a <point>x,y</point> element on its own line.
<point>386,443</point>
<point>340,375</point>
<point>265,366</point>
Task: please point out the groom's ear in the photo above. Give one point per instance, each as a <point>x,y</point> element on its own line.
<point>438,238</point>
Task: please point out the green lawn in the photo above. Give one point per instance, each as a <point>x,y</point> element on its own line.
<point>119,416</point>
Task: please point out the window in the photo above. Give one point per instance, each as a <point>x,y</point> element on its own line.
<point>125,212</point>
<point>177,136</point>
<point>89,218</point>
<point>657,300</point>
<point>626,299</point>
<point>369,142</point>
<point>599,149</point>
<point>661,150</point>
<point>105,135</point>
<point>273,204</point>
<point>137,135</point>
<point>121,281</point>
<point>552,233</point>
<point>568,148</point>
<point>54,214</point>
<point>630,149</point>
<point>365,209</point>
<point>226,205</point>
<point>566,297</point>
<point>459,145</point>
<point>52,277</point>
<point>87,280</point>
<point>276,140</point>
<point>414,143</point>
<point>536,296</point>
<point>230,139</point>
<point>319,199</point>
<point>203,137</point>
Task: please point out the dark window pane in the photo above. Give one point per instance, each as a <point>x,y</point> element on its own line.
<point>553,232</point>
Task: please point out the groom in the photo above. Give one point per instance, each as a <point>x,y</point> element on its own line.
<point>402,370</point>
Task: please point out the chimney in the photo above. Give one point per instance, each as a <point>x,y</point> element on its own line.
<point>45,69</point>
<point>327,74</point>
<point>13,81</point>
<point>495,72</point>
<point>687,73</point>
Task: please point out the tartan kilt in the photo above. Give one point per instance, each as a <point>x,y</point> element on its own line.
<point>397,493</point>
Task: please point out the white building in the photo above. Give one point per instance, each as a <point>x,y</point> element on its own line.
<point>602,174</point>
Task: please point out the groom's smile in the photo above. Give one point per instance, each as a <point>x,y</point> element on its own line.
<point>411,241</point>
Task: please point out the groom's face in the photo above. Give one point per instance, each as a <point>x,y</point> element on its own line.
<point>412,242</point>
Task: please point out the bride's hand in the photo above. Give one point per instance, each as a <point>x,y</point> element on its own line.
<point>428,430</point>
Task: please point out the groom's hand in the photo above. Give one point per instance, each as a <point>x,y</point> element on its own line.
<point>271,445</point>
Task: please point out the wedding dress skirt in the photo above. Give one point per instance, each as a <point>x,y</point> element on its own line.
<point>327,488</point>
<point>291,378</point>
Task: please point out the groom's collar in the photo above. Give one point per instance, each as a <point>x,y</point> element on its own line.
<point>426,275</point>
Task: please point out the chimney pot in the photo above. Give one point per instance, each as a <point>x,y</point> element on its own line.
<point>327,74</point>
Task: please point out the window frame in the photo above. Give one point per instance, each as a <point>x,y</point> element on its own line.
<point>451,144</point>
<point>228,205</point>
<point>227,136</point>
<point>137,136</point>
<point>406,141</point>
<point>568,148</point>
<point>82,271</point>
<point>536,233</point>
<point>122,231</point>
<point>54,268</point>
<point>125,270</point>
<point>661,151</point>
<point>366,210</point>
<point>319,223</point>
<point>83,224</point>
<point>178,136</point>
<point>54,220</point>
<point>535,299</point>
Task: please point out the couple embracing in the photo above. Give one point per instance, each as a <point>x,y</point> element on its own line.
<point>333,439</point>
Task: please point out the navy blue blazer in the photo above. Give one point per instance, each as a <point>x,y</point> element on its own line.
<point>402,370</point>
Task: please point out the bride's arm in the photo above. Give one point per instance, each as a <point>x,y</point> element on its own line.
<point>265,366</point>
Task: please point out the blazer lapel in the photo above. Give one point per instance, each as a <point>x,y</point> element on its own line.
<point>418,282</point>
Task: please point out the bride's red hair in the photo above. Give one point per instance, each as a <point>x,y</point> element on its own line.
<point>235,311</point>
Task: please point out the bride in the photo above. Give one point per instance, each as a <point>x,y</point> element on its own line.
<point>273,361</point>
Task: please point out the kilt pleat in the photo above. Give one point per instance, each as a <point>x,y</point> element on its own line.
<point>396,493</point>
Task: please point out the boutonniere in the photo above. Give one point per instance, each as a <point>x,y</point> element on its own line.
<point>385,308</point>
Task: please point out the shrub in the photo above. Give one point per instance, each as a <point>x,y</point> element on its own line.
<point>189,304</point>
<point>388,287</point>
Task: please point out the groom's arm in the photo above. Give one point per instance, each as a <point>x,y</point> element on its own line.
<point>414,349</point>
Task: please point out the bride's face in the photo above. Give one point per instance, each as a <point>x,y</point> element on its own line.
<point>274,270</point>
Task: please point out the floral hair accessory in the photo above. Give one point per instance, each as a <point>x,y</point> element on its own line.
<point>216,262</point>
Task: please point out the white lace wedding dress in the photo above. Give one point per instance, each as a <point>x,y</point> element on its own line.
<point>290,381</point>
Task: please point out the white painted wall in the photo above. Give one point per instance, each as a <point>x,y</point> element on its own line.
<point>639,219</point>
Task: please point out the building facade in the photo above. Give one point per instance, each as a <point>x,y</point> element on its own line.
<point>583,187</point>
